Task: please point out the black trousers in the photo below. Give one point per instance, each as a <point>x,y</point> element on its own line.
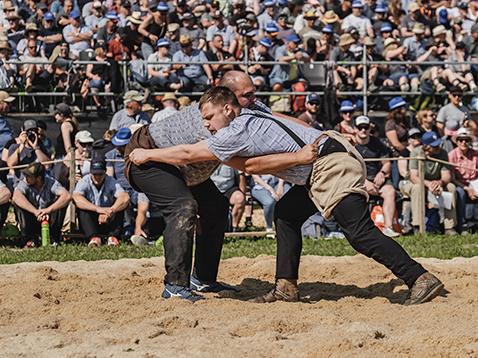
<point>180,205</point>
<point>89,224</point>
<point>30,227</point>
<point>353,217</point>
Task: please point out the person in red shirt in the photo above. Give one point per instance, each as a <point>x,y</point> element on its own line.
<point>467,160</point>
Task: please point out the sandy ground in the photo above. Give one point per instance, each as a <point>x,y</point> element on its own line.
<point>351,307</point>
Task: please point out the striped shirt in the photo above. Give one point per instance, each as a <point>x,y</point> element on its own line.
<point>251,134</point>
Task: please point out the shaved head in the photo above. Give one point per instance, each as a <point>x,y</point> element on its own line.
<point>241,84</point>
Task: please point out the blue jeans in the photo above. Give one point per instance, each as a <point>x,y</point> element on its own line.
<point>268,203</point>
<point>460,207</point>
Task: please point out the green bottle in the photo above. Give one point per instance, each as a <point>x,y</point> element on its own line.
<point>45,233</point>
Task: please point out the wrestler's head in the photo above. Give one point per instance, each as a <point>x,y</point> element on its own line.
<point>218,106</point>
<point>241,84</point>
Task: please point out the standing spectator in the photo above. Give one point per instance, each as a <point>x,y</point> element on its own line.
<point>162,76</point>
<point>131,113</point>
<point>101,201</point>
<point>437,179</point>
<point>6,134</point>
<point>37,198</point>
<point>154,26</point>
<point>378,181</point>
<point>311,114</point>
<point>170,106</point>
<point>453,111</point>
<point>232,184</point>
<point>466,160</point>
<point>77,35</point>
<point>69,126</point>
<point>193,76</point>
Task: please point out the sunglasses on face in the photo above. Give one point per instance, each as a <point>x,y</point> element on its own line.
<point>416,137</point>
<point>363,128</point>
<point>32,47</point>
<point>347,112</point>
<point>456,95</point>
<point>466,140</point>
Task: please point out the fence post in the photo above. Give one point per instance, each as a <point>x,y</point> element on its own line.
<point>365,81</point>
<point>421,193</point>
<point>72,188</point>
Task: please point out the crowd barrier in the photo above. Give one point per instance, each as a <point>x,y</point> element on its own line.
<point>421,175</point>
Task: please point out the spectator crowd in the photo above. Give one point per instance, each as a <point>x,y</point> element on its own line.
<point>167,46</point>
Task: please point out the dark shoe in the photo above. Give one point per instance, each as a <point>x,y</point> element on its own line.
<point>425,288</point>
<point>199,286</point>
<point>185,293</point>
<point>284,290</point>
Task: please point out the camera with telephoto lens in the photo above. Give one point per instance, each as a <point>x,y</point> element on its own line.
<point>243,27</point>
<point>32,135</point>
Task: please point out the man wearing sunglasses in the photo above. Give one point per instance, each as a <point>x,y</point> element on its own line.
<point>467,160</point>
<point>454,110</point>
<point>378,181</point>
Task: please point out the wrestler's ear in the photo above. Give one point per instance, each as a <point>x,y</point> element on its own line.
<point>229,111</point>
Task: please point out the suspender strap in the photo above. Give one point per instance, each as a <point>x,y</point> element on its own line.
<point>289,131</point>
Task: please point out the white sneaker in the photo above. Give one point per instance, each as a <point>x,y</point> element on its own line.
<point>138,240</point>
<point>390,232</point>
<point>270,234</point>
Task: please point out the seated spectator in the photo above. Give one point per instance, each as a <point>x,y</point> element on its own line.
<point>100,202</point>
<point>357,20</point>
<point>31,33</point>
<point>162,76</point>
<point>344,75</point>
<point>131,113</point>
<point>5,194</point>
<point>196,33</point>
<point>268,190</point>
<point>378,181</point>
<point>115,168</point>
<point>192,76</point>
<point>96,19</point>
<point>466,160</point>
<point>453,111</point>
<point>149,222</point>
<point>217,53</point>
<point>97,78</point>
<point>37,198</point>
<point>426,121</point>
<point>7,71</point>
<point>6,133</point>
<point>398,74</point>
<point>437,179</point>
<point>227,32</point>
<point>396,127</point>
<point>83,153</point>
<point>103,145</point>
<point>346,125</point>
<point>232,184</point>
<point>49,33</point>
<point>33,72</point>
<point>311,114</point>
<point>170,106</point>
<point>28,148</point>
<point>284,76</point>
<point>77,35</point>
<point>44,140</point>
<point>462,75</point>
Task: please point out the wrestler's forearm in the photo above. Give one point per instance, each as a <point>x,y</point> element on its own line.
<point>181,154</point>
<point>273,163</point>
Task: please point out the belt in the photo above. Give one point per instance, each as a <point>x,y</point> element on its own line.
<point>330,146</point>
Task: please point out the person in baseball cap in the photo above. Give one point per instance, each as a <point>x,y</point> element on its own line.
<point>311,114</point>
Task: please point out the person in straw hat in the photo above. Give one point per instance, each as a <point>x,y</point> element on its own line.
<point>170,106</point>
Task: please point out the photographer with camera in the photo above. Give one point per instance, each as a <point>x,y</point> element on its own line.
<point>28,147</point>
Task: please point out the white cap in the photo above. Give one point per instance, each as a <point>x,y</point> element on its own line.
<point>463,133</point>
<point>361,120</point>
<point>84,137</point>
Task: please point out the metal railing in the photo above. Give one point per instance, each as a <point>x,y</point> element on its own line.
<point>365,93</point>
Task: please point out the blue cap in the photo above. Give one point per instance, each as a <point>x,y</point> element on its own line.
<point>292,38</point>
<point>269,3</point>
<point>121,137</point>
<point>386,27</point>
<point>75,14</point>
<point>431,138</point>
<point>49,16</point>
<point>282,2</point>
<point>381,8</point>
<point>266,42</point>
<point>357,4</point>
<point>162,6</point>
<point>98,166</point>
<point>443,17</point>
<point>346,106</point>
<point>396,102</point>
<point>112,15</point>
<point>272,27</point>
<point>162,42</point>
<point>313,98</point>
<point>328,29</point>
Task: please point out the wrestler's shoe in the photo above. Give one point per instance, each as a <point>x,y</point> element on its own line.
<point>425,288</point>
<point>284,290</point>
<point>171,291</point>
<point>199,286</point>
